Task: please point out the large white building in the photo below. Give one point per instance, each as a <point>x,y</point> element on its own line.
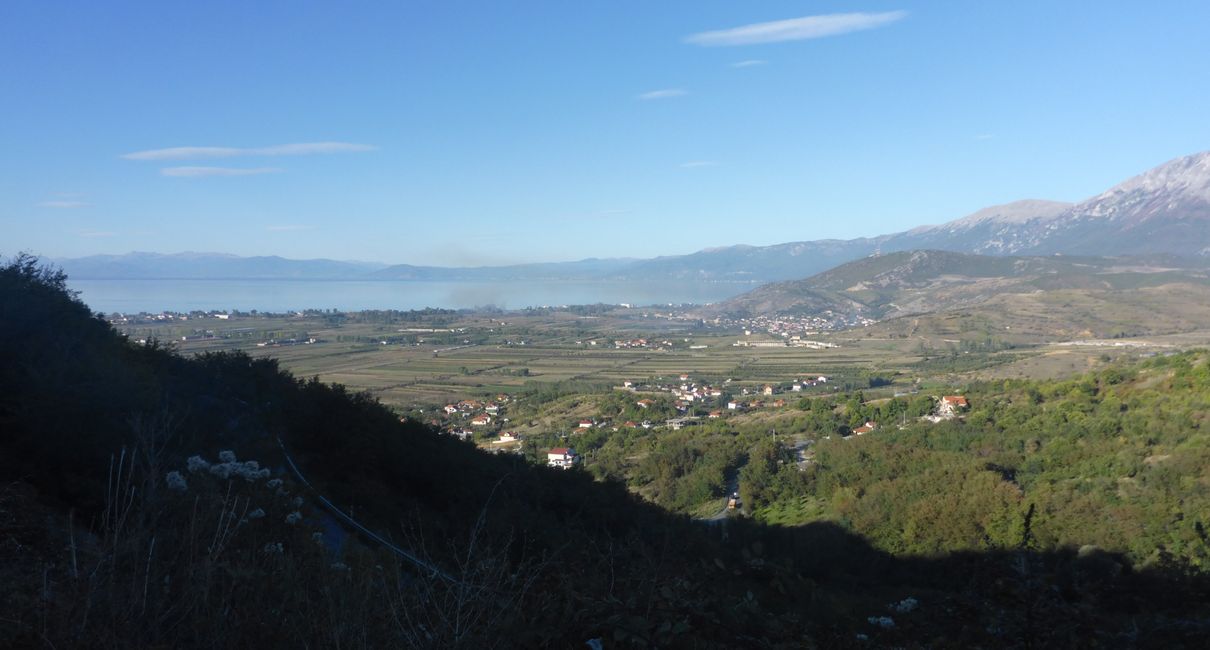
<point>562,457</point>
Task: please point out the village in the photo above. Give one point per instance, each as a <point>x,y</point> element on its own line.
<point>485,422</point>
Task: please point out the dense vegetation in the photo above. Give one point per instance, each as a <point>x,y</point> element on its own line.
<point>131,515</point>
<point>1119,459</point>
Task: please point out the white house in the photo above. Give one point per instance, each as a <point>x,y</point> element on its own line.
<point>562,457</point>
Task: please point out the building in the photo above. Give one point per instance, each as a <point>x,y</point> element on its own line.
<point>585,424</point>
<point>950,405</point>
<point>562,457</point>
<point>506,438</point>
<point>481,420</point>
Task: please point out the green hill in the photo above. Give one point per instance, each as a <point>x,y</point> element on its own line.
<point>912,283</point>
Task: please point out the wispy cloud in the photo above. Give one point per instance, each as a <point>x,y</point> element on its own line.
<point>747,63</point>
<point>198,172</point>
<point>699,163</point>
<point>796,29</point>
<point>665,93</point>
<point>63,205</point>
<point>294,149</point>
<point>290,227</point>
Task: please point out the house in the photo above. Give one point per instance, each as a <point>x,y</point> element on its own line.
<point>562,457</point>
<point>950,405</point>
<point>492,409</point>
<point>450,409</point>
<point>778,403</point>
<point>767,390</point>
<point>506,438</point>
<point>865,428</point>
<point>714,415</point>
<point>796,388</point>
<point>644,403</point>
<point>733,405</point>
<point>461,434</point>
<point>481,420</point>
<point>631,424</point>
<point>585,424</point>
<point>684,377</point>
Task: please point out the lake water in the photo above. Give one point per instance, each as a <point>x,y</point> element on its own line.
<point>132,296</point>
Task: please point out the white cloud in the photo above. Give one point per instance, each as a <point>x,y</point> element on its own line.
<point>196,172</point>
<point>796,29</point>
<point>698,163</point>
<point>63,205</point>
<point>747,63</point>
<point>664,93</point>
<point>294,149</point>
<point>290,227</point>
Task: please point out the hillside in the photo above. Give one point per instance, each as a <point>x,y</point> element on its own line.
<point>920,282</point>
<point>149,500</point>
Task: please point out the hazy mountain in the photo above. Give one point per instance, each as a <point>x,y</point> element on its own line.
<point>1163,211</point>
<point>756,264</point>
<point>589,269</point>
<point>914,282</point>
<point>209,266</point>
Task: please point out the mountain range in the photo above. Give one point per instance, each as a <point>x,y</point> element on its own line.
<point>1165,210</point>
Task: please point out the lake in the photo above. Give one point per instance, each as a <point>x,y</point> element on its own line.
<point>132,296</point>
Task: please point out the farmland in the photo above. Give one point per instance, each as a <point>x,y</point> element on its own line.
<point>423,359</point>
<point>451,356</point>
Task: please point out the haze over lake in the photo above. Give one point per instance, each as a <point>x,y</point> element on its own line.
<point>132,296</point>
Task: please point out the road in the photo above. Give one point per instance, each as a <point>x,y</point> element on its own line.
<point>732,488</point>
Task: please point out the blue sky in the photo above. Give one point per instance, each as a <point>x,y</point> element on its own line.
<point>462,133</point>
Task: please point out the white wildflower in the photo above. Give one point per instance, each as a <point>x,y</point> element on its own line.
<point>274,484</point>
<point>906,605</point>
<point>884,622</point>
<point>250,470</point>
<point>221,470</point>
<point>273,548</point>
<point>227,456</point>
<point>293,517</point>
<point>197,464</point>
<point>298,501</point>
<point>318,538</point>
<point>259,513</point>
<point>176,482</point>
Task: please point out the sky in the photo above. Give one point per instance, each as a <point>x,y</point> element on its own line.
<point>457,133</point>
